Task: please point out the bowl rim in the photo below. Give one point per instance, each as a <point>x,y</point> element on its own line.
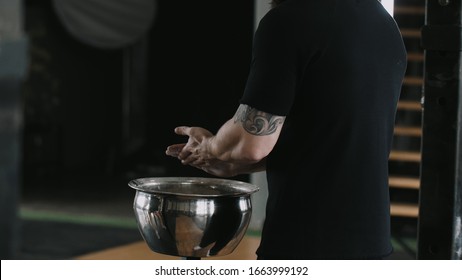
<point>149,184</point>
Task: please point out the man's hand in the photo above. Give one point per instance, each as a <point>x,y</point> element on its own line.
<point>195,152</point>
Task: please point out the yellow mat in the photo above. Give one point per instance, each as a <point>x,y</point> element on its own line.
<point>140,251</point>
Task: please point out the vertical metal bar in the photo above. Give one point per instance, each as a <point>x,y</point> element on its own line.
<point>134,95</point>
<point>127,59</point>
<point>10,153</point>
<point>13,66</point>
<point>457,220</point>
<point>440,204</point>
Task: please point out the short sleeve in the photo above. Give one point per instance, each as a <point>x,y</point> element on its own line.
<point>273,75</point>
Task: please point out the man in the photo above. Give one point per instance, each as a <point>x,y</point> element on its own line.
<point>317,114</point>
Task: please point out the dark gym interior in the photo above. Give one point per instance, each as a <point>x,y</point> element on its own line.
<point>94,118</point>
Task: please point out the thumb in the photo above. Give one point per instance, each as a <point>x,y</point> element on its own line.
<point>183,130</point>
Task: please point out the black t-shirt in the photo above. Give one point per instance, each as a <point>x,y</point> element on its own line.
<point>334,68</point>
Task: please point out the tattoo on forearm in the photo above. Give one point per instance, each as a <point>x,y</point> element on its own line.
<point>257,122</point>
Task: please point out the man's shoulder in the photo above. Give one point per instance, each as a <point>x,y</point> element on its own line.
<point>298,11</point>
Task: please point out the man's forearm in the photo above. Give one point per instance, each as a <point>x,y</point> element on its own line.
<point>227,169</point>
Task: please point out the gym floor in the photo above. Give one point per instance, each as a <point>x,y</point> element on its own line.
<point>76,223</point>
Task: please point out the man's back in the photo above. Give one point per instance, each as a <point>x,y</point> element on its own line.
<point>339,65</point>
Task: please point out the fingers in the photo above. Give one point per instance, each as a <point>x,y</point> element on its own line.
<point>174,150</point>
<point>188,153</point>
<point>187,156</point>
<point>179,151</point>
<point>183,130</point>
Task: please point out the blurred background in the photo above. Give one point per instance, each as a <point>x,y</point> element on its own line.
<point>102,86</point>
<point>91,91</point>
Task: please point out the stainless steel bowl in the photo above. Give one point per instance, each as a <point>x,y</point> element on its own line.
<point>192,216</point>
